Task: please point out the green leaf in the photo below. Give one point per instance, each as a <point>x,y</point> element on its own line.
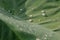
<point>14,16</point>
<point>14,7</point>
<point>27,31</point>
<point>52,11</point>
<point>24,8</point>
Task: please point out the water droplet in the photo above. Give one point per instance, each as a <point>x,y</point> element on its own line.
<point>30,15</point>
<point>43,11</point>
<point>45,38</point>
<point>43,14</point>
<point>37,39</point>
<point>21,9</point>
<point>30,20</point>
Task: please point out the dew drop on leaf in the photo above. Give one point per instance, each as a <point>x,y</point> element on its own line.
<point>30,15</point>
<point>37,39</point>
<point>43,11</point>
<point>21,9</point>
<point>43,14</point>
<point>30,20</point>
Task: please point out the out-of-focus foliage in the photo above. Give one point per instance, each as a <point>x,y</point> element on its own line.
<point>14,16</point>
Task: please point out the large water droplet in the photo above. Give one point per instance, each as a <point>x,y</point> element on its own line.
<point>43,14</point>
<point>30,20</point>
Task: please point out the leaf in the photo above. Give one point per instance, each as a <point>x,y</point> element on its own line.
<point>6,33</point>
<point>14,7</point>
<point>24,8</point>
<point>15,14</point>
<point>51,8</point>
<point>27,31</point>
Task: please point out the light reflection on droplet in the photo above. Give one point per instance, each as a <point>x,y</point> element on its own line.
<point>30,15</point>
<point>45,38</point>
<point>21,9</point>
<point>43,11</point>
<point>30,20</point>
<point>37,39</point>
<point>43,14</point>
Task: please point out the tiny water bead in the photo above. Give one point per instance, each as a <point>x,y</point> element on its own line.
<point>30,15</point>
<point>30,20</point>
<point>43,11</point>
<point>45,38</point>
<point>37,38</point>
<point>21,9</point>
<point>43,14</point>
